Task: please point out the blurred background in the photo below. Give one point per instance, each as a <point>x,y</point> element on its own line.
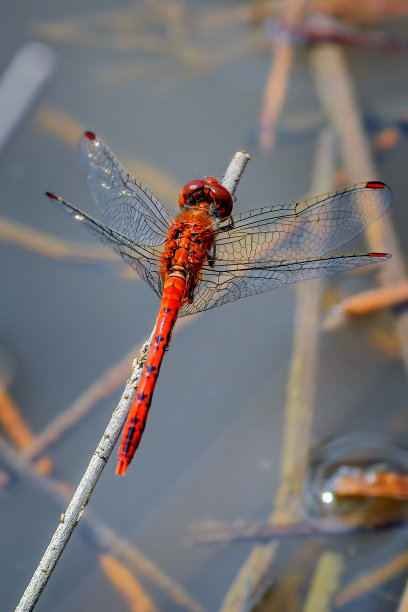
<point>317,94</point>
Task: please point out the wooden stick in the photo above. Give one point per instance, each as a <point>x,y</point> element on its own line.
<point>80,499</point>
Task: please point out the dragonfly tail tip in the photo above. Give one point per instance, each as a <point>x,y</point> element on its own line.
<point>121,467</point>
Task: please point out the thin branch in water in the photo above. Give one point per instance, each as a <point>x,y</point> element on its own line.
<point>102,453</point>
<point>102,538</point>
<point>335,89</point>
<point>18,431</point>
<point>372,579</point>
<point>325,582</point>
<point>213,532</point>
<point>49,246</point>
<point>277,82</point>
<point>371,484</point>
<point>135,596</point>
<point>298,410</point>
<point>366,303</point>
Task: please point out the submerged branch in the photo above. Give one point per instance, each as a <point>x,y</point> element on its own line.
<point>298,413</point>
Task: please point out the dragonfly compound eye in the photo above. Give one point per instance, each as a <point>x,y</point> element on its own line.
<point>194,193</point>
<point>186,194</point>
<point>222,197</point>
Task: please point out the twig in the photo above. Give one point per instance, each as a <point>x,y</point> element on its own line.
<point>47,245</point>
<point>101,455</point>
<point>336,93</point>
<point>136,598</point>
<point>367,302</point>
<point>371,484</point>
<point>403,604</point>
<point>212,532</point>
<point>278,78</point>
<point>299,405</point>
<point>17,430</point>
<point>325,582</point>
<point>371,579</point>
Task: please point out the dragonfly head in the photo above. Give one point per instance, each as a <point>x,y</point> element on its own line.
<point>207,194</point>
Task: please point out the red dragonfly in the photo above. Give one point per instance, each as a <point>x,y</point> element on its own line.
<point>206,257</point>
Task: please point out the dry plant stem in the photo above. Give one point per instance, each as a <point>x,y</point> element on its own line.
<point>299,405</point>
<point>372,579</point>
<point>403,604</point>
<point>379,484</point>
<point>275,93</point>
<point>101,455</point>
<point>135,597</point>
<point>96,533</point>
<point>211,532</point>
<point>337,96</point>
<point>44,244</point>
<point>219,533</point>
<point>278,78</point>
<point>17,430</point>
<point>325,582</point>
<point>368,302</point>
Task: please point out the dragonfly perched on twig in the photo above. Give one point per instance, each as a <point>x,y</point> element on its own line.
<point>207,257</point>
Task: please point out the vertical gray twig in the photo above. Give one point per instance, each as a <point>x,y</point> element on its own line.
<point>80,499</point>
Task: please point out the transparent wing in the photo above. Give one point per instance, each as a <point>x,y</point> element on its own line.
<point>143,258</point>
<point>274,246</point>
<point>236,281</point>
<point>305,229</point>
<point>127,206</point>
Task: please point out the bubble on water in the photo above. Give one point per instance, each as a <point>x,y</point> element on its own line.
<point>366,454</point>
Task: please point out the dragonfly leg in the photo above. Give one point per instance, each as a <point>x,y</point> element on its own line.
<point>228,227</point>
<point>211,256</point>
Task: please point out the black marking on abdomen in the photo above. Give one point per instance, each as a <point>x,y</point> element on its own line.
<point>130,433</point>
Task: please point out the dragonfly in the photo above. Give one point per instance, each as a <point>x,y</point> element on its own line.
<point>207,256</point>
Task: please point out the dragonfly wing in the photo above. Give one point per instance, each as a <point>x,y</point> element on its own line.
<point>227,283</point>
<point>143,258</point>
<point>305,229</point>
<point>127,206</point>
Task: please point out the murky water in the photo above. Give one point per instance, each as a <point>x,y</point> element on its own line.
<point>180,93</point>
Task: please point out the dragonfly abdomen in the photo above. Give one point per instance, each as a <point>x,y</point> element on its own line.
<point>174,292</point>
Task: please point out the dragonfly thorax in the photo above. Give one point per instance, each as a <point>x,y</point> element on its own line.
<point>209,195</point>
